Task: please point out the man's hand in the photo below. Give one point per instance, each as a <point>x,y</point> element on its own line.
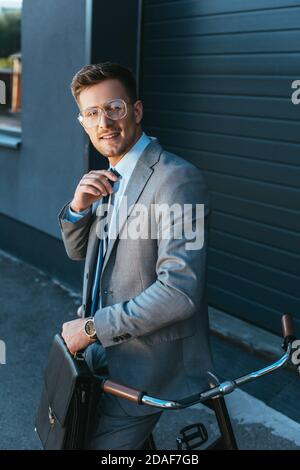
<point>74,335</point>
<point>92,186</point>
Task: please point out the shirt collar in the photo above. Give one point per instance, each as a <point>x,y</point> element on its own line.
<point>127,164</point>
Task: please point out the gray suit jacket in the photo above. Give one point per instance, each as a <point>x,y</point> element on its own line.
<point>153,323</point>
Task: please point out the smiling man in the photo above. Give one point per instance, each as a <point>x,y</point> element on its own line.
<point>144,308</point>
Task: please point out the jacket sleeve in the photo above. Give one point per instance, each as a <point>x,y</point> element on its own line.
<point>181,271</point>
<point>75,235</point>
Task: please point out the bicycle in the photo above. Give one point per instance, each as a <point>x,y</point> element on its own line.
<point>213,398</point>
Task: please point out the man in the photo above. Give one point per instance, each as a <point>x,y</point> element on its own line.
<point>146,295</point>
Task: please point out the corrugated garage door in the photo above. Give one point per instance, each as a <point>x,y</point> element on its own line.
<point>216,83</point>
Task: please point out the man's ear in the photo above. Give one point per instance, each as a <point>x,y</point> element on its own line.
<point>138,111</point>
<point>79,108</point>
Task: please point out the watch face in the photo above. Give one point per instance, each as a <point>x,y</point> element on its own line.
<point>90,328</point>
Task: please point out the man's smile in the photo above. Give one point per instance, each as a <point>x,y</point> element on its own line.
<point>111,136</point>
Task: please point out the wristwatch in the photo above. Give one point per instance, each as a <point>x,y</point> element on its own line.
<point>89,328</point>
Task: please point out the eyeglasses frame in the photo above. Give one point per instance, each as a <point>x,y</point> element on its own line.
<point>80,117</point>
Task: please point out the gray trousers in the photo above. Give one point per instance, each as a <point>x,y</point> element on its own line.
<point>113,428</point>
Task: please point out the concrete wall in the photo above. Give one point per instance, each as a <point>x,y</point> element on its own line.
<point>58,38</point>
<point>37,179</point>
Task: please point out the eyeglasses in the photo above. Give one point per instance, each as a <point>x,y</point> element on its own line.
<point>113,109</point>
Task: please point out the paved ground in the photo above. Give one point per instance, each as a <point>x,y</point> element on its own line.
<point>265,414</point>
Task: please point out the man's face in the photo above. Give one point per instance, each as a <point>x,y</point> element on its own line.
<point>128,129</point>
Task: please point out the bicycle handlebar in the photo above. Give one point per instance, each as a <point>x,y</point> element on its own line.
<point>141,398</point>
<point>122,391</point>
<point>288,328</point>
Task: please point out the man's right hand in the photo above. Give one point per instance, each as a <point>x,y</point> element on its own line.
<point>92,186</point>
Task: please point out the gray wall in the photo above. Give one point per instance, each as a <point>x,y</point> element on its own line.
<point>58,38</point>
<point>37,179</point>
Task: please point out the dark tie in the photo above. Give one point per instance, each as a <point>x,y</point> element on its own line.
<point>101,255</point>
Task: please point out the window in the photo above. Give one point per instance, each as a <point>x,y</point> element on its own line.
<point>10,64</point>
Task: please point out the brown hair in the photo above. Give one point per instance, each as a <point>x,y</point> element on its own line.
<point>95,73</point>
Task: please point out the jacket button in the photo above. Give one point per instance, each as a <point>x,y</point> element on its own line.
<point>108,292</point>
<point>87,275</point>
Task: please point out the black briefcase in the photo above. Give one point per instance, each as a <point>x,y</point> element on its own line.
<point>69,399</point>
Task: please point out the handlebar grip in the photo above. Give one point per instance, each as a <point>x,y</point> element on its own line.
<point>287,323</point>
<point>123,391</point>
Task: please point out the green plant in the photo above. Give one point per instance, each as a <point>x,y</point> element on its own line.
<point>5,63</point>
<point>10,33</point>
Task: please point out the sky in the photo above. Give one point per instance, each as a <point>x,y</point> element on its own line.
<point>11,3</point>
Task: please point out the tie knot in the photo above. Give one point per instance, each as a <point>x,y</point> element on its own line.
<point>115,184</point>
<point>113,170</point>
